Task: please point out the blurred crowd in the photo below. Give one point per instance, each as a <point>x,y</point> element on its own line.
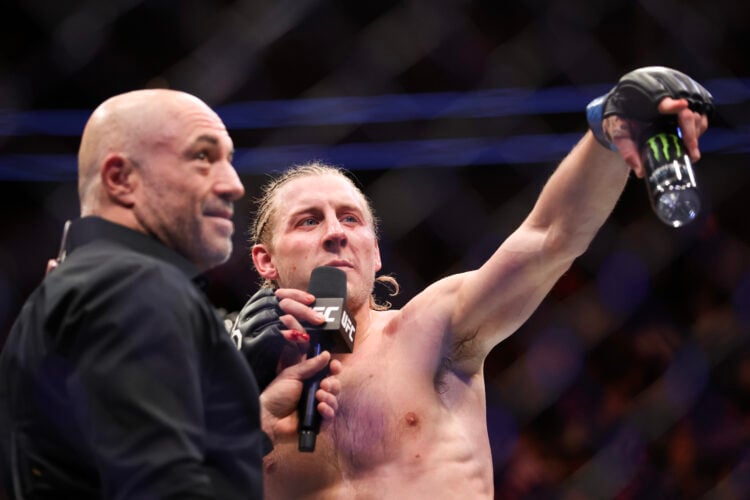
<point>658,408</point>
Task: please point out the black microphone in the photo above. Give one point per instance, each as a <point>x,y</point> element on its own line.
<point>328,285</point>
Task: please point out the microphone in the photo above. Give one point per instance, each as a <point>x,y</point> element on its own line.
<point>336,335</point>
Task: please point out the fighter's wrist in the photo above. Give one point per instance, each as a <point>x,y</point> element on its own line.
<point>268,420</point>
<point>595,118</point>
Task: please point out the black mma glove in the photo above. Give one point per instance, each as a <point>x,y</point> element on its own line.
<point>257,331</point>
<point>637,95</point>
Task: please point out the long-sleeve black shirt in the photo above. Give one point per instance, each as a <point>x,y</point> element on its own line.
<point>119,381</point>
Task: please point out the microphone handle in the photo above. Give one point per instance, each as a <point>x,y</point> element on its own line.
<point>309,417</point>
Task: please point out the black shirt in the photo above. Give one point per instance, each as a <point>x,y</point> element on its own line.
<point>118,380</point>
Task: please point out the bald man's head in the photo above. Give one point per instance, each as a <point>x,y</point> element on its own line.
<point>124,125</point>
<point>160,162</point>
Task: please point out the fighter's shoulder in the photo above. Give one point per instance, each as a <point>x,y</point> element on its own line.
<point>441,290</point>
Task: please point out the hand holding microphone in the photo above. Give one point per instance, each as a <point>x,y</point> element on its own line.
<point>257,332</point>
<point>280,400</point>
<point>263,338</point>
<point>328,285</point>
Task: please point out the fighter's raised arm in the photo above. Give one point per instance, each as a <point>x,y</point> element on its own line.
<point>492,302</point>
<point>411,418</point>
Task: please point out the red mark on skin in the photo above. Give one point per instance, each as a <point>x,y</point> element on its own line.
<point>298,335</point>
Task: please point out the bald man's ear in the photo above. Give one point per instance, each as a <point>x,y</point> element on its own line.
<point>119,179</point>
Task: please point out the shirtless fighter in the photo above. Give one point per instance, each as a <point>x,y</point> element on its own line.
<point>411,421</point>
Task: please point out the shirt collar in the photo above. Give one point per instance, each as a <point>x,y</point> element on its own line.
<point>87,229</point>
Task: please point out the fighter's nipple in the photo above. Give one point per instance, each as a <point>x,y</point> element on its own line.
<point>411,418</point>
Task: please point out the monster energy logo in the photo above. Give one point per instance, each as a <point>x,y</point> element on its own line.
<point>660,143</point>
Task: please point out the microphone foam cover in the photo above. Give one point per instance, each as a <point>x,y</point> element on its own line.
<point>327,281</point>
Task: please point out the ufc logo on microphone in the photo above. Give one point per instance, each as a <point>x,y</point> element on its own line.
<point>338,321</point>
<point>347,325</point>
<point>327,312</point>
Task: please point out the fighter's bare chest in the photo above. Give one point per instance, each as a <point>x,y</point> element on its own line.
<point>382,407</point>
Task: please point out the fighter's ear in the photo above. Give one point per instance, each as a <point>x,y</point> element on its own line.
<point>119,179</point>
<point>378,261</point>
<point>263,262</point>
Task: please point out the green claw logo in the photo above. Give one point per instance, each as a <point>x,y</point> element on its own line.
<point>660,143</point>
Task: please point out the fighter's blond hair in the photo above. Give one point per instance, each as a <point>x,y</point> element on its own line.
<point>261,231</point>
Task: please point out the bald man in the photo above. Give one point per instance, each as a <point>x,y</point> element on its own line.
<point>118,379</point>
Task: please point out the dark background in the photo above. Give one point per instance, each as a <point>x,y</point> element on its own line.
<point>632,380</point>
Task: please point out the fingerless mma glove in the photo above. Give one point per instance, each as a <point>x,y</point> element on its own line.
<point>637,96</point>
<point>261,340</point>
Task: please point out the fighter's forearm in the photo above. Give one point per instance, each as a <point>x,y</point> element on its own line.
<point>579,196</point>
